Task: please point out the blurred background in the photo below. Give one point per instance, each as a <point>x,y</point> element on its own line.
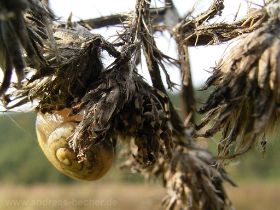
<point>28,181</point>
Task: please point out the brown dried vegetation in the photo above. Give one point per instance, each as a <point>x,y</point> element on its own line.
<point>64,69</point>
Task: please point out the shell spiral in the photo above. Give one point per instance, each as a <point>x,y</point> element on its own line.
<point>53,132</point>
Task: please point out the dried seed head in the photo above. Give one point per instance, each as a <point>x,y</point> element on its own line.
<point>245,101</point>
<point>194,182</point>
<point>145,120</point>
<point>191,178</point>
<point>18,35</point>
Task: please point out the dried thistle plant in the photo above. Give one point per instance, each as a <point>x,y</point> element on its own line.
<point>191,184</point>
<point>114,105</point>
<point>244,104</point>
<point>17,34</point>
<point>192,179</point>
<point>72,66</point>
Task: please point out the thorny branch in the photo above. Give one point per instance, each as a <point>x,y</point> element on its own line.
<point>198,32</point>
<point>188,26</point>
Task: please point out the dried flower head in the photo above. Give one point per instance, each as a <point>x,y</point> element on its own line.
<point>191,177</point>
<point>193,182</point>
<point>244,104</point>
<point>17,33</point>
<point>116,103</point>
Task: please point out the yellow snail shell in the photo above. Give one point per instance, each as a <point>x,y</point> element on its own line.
<point>53,132</point>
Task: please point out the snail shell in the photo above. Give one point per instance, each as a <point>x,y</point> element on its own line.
<point>53,132</point>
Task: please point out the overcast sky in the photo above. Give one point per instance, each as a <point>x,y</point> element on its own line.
<point>202,58</point>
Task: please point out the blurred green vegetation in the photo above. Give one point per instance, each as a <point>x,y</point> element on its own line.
<point>22,161</point>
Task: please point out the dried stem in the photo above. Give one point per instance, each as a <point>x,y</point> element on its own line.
<point>187,92</point>
<point>157,15</point>
<point>105,21</point>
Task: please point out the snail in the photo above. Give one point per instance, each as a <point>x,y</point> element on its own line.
<point>53,133</point>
